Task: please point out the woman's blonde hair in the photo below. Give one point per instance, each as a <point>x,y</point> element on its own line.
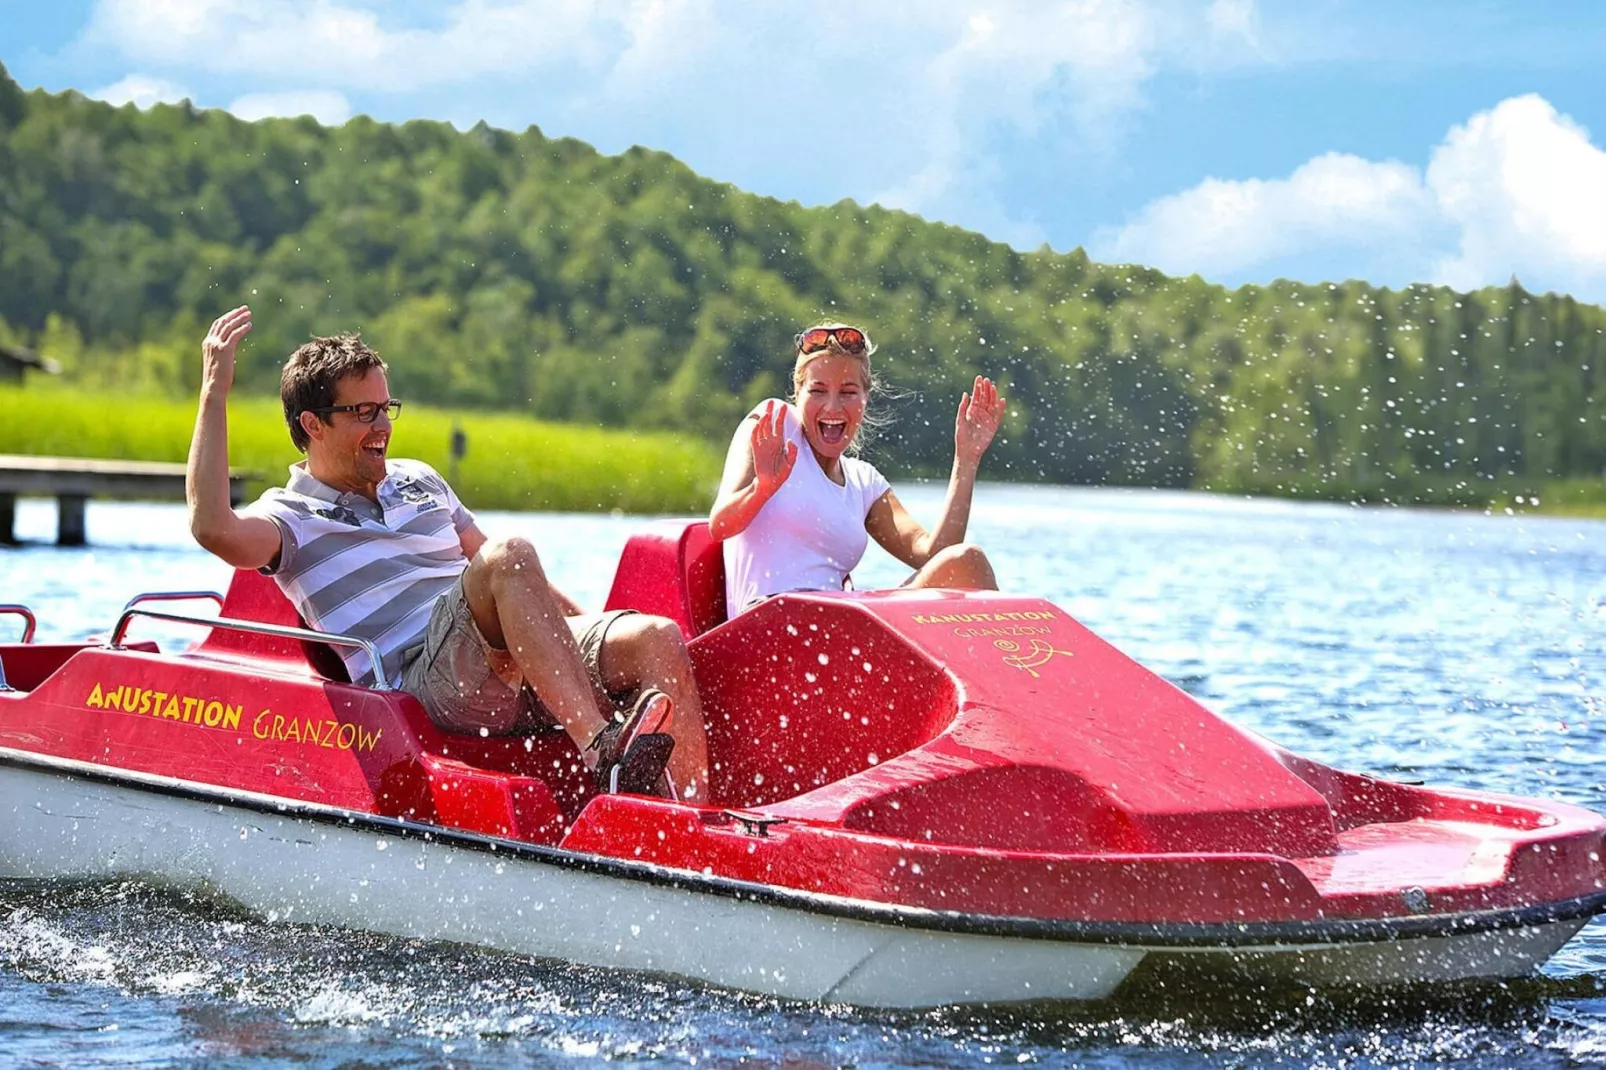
<point>834,349</point>
<point>873,420</point>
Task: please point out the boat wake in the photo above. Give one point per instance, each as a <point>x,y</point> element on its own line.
<point>243,986</point>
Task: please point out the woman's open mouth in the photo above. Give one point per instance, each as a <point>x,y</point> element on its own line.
<point>832,431</point>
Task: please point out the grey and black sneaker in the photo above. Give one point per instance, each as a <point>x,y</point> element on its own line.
<point>631,752</point>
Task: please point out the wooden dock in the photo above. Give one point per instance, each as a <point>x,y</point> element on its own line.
<point>72,481</point>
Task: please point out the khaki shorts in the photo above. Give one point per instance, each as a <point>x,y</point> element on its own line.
<point>451,673</point>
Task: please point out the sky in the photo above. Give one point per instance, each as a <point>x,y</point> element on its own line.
<point>1244,140</point>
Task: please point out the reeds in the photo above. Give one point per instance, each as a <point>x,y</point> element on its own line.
<point>511,462</point>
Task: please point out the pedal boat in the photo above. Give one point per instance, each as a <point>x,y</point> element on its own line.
<point>918,799</point>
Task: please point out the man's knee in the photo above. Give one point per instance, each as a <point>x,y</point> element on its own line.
<point>663,635</point>
<point>651,636</point>
<point>511,556</point>
<point>637,645</point>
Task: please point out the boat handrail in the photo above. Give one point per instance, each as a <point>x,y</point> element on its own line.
<point>28,626</point>
<point>173,596</point>
<point>258,628</point>
<point>28,621</point>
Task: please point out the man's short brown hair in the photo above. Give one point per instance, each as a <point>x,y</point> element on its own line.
<point>312,372</point>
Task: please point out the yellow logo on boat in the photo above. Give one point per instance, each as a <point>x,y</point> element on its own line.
<point>212,713</point>
<point>1036,656</point>
<point>168,705</point>
<point>982,618</point>
<point>311,732</point>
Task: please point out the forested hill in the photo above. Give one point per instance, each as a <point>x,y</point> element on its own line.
<point>516,271</point>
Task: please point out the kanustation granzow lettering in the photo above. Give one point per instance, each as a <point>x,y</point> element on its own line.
<point>215,713</point>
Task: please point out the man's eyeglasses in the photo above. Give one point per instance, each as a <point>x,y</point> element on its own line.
<point>365,411</point>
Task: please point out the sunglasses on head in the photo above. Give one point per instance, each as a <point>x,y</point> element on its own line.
<point>365,411</point>
<point>848,339</point>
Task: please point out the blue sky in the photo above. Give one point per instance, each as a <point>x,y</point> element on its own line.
<point>1241,139</point>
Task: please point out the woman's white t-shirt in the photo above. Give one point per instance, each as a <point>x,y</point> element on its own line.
<point>810,535</point>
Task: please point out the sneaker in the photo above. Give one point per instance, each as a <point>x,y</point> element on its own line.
<point>631,753</point>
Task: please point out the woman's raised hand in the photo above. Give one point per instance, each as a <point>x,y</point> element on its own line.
<point>773,455</point>
<point>980,412</point>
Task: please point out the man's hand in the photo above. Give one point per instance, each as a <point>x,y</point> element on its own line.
<point>217,351</point>
<point>242,541</point>
<point>773,456</point>
<point>980,413</point>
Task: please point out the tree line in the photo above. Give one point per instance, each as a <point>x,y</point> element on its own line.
<point>514,271</point>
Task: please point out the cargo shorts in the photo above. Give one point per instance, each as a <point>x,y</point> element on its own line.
<point>452,673</point>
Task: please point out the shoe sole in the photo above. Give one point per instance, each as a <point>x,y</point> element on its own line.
<point>645,752</point>
<point>641,766</point>
<point>650,714</point>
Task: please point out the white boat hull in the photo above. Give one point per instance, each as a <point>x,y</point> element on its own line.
<point>309,866</point>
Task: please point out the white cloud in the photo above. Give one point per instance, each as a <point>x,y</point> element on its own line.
<point>1527,191</point>
<point>141,91</point>
<point>349,45</point>
<point>1011,67</point>
<point>920,92</point>
<point>1232,226</point>
<point>325,105</point>
<point>1515,190</point>
<point>1232,18</point>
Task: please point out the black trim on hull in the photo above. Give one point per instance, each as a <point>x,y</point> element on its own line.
<point>1156,936</point>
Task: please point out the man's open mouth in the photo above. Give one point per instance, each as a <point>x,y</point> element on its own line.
<point>375,449</point>
<point>832,431</point>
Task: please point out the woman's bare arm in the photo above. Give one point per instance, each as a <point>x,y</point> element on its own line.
<point>758,462</point>
<point>891,525</point>
<point>897,532</point>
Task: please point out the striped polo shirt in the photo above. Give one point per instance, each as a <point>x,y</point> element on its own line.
<point>368,569</point>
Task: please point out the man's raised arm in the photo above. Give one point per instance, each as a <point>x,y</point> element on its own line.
<point>242,541</point>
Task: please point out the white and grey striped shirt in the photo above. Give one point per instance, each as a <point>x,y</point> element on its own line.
<point>372,570</point>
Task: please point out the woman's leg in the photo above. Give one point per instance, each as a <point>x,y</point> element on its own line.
<point>962,566</point>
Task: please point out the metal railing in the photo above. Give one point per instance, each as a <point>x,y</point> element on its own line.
<point>29,624</point>
<point>174,596</point>
<point>255,628</point>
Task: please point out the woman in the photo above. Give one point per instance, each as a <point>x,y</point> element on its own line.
<point>795,512</point>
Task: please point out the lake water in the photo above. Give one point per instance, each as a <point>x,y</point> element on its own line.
<point>1462,649</point>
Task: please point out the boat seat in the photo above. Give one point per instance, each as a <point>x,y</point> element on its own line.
<point>255,597</point>
<point>544,758</point>
<point>27,665</point>
<point>675,569</point>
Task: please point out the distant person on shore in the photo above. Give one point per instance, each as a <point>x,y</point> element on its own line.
<point>382,549</point>
<point>795,511</point>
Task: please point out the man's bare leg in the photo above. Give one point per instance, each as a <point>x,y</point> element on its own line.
<point>513,607</point>
<point>962,566</point>
<point>644,651</point>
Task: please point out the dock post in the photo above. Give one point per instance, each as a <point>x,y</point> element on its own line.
<point>70,519</point>
<point>8,519</point>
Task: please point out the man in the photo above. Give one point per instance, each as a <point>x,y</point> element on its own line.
<point>383,550</point>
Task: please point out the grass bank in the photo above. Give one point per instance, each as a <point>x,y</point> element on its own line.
<point>1510,494</point>
<point>1568,497</point>
<point>511,463</point>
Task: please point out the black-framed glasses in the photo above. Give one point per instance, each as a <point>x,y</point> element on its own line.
<point>365,411</point>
